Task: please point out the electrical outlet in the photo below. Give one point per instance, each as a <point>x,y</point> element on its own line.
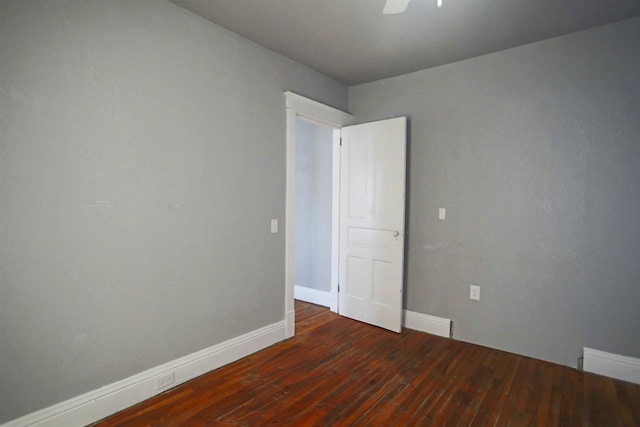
<point>164,381</point>
<point>474,292</point>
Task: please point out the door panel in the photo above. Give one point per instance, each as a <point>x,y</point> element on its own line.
<point>357,178</point>
<point>372,206</point>
<point>356,277</point>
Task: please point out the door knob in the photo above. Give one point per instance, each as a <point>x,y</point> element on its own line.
<point>396,233</point>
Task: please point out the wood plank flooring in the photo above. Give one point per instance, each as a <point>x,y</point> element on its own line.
<point>339,372</point>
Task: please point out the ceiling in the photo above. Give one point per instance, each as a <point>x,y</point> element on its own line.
<point>353,42</point>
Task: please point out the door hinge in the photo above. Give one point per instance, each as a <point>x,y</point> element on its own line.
<point>338,287</point>
<point>340,142</point>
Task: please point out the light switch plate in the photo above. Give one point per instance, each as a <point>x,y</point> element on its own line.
<point>274,225</point>
<point>474,292</point>
<point>442,213</point>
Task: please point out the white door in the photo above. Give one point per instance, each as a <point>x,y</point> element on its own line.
<point>372,202</point>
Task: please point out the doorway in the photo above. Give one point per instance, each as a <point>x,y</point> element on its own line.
<point>367,208</point>
<point>300,109</point>
<point>314,203</point>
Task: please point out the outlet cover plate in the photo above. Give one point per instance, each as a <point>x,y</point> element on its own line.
<point>474,292</point>
<point>165,380</point>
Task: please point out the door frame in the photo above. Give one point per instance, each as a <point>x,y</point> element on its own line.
<point>308,109</point>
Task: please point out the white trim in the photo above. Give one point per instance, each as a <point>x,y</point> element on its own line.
<point>314,296</point>
<point>611,365</point>
<point>290,226</point>
<point>335,220</point>
<point>290,321</point>
<point>316,111</point>
<point>299,106</point>
<point>427,323</point>
<point>97,404</point>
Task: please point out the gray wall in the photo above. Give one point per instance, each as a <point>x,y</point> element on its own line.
<point>142,155</point>
<point>313,206</point>
<point>535,153</point>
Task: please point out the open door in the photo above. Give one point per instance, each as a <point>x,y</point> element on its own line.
<point>372,207</point>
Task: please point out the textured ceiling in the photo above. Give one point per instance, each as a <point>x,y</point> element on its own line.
<point>353,42</point>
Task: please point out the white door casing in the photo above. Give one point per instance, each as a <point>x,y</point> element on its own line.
<point>372,212</point>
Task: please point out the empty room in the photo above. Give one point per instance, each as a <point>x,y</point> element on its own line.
<point>319,212</point>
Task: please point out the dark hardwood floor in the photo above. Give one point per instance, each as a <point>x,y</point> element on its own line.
<point>338,371</point>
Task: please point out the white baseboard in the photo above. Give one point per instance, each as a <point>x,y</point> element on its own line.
<point>611,365</point>
<point>313,296</point>
<point>426,323</point>
<point>95,405</point>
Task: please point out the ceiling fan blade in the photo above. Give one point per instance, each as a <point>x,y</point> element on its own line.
<point>392,7</point>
